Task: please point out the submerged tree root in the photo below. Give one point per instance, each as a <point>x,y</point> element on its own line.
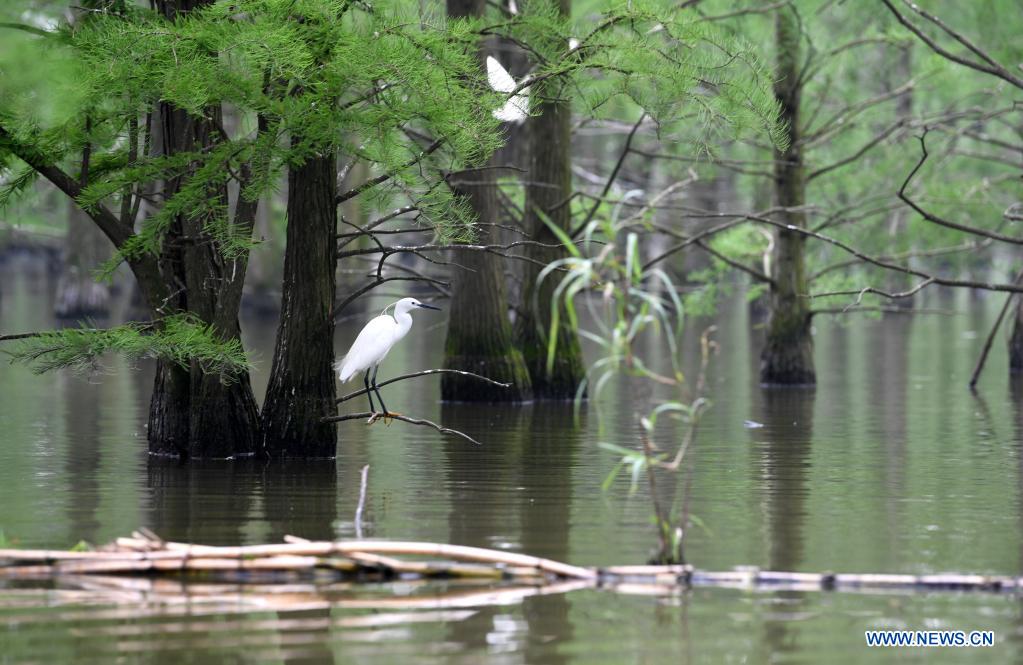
<point>299,560</point>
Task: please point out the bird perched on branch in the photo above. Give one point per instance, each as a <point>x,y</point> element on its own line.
<point>373,343</point>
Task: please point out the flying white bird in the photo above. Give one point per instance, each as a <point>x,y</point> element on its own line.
<point>374,342</point>
<point>516,109</point>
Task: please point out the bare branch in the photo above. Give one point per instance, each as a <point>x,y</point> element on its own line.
<point>991,67</point>
<point>744,12</point>
<point>859,293</point>
<point>427,372</point>
<point>405,419</point>
<point>610,178</point>
<point>859,153</point>
<point>381,280</point>
<point>692,240</point>
<point>991,335</point>
<point>756,274</point>
<point>734,165</point>
<point>934,219</point>
<point>737,219</point>
<point>29,335</point>
<point>912,254</point>
<point>384,177</point>
<point>886,310</point>
<point>362,501</point>
<point>105,220</point>
<point>840,121</point>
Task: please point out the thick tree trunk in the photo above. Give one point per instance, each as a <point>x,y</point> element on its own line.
<point>194,413</point>
<point>479,332</point>
<point>549,184</point>
<point>302,388</point>
<point>787,357</point>
<point>170,429</point>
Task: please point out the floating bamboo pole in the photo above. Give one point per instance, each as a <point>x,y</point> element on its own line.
<point>297,559</point>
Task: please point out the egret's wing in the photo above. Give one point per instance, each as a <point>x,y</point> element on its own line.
<point>370,347</point>
<point>499,78</point>
<point>516,109</point>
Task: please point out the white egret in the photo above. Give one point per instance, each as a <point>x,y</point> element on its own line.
<point>374,342</point>
<point>516,109</point>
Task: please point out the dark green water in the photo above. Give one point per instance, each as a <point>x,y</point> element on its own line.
<point>890,465</point>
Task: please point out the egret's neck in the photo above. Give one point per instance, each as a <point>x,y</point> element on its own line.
<point>404,320</point>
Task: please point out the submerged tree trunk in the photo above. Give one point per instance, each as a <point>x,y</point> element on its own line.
<point>898,219</point>
<point>194,413</point>
<point>79,294</point>
<point>548,186</point>
<point>479,331</point>
<point>787,357</point>
<point>302,389</point>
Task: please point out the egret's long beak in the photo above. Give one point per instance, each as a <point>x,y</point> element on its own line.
<point>429,307</point>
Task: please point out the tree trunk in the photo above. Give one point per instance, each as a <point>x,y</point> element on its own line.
<point>898,219</point>
<point>193,413</point>
<point>1016,340</point>
<point>549,184</point>
<point>302,388</point>
<point>79,294</point>
<point>479,333</point>
<point>787,357</point>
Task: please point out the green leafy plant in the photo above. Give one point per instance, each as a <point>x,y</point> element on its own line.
<point>623,302</point>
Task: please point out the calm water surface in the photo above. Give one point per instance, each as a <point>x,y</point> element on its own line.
<point>890,465</point>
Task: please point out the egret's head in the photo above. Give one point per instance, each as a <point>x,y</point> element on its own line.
<point>408,304</point>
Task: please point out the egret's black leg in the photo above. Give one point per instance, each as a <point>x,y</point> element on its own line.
<point>369,392</point>
<point>377,389</point>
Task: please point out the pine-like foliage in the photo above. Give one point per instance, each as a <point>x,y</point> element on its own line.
<point>179,339</point>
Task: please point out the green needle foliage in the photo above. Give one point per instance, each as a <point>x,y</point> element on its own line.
<point>697,82</point>
<point>339,76</point>
<point>179,339</point>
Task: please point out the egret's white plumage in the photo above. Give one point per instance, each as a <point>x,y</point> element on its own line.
<point>375,341</point>
<point>516,109</point>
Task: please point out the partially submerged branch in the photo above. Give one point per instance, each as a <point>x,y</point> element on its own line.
<point>991,335</point>
<point>225,569</point>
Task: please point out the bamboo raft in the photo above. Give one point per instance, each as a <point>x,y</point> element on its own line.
<point>145,555</point>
